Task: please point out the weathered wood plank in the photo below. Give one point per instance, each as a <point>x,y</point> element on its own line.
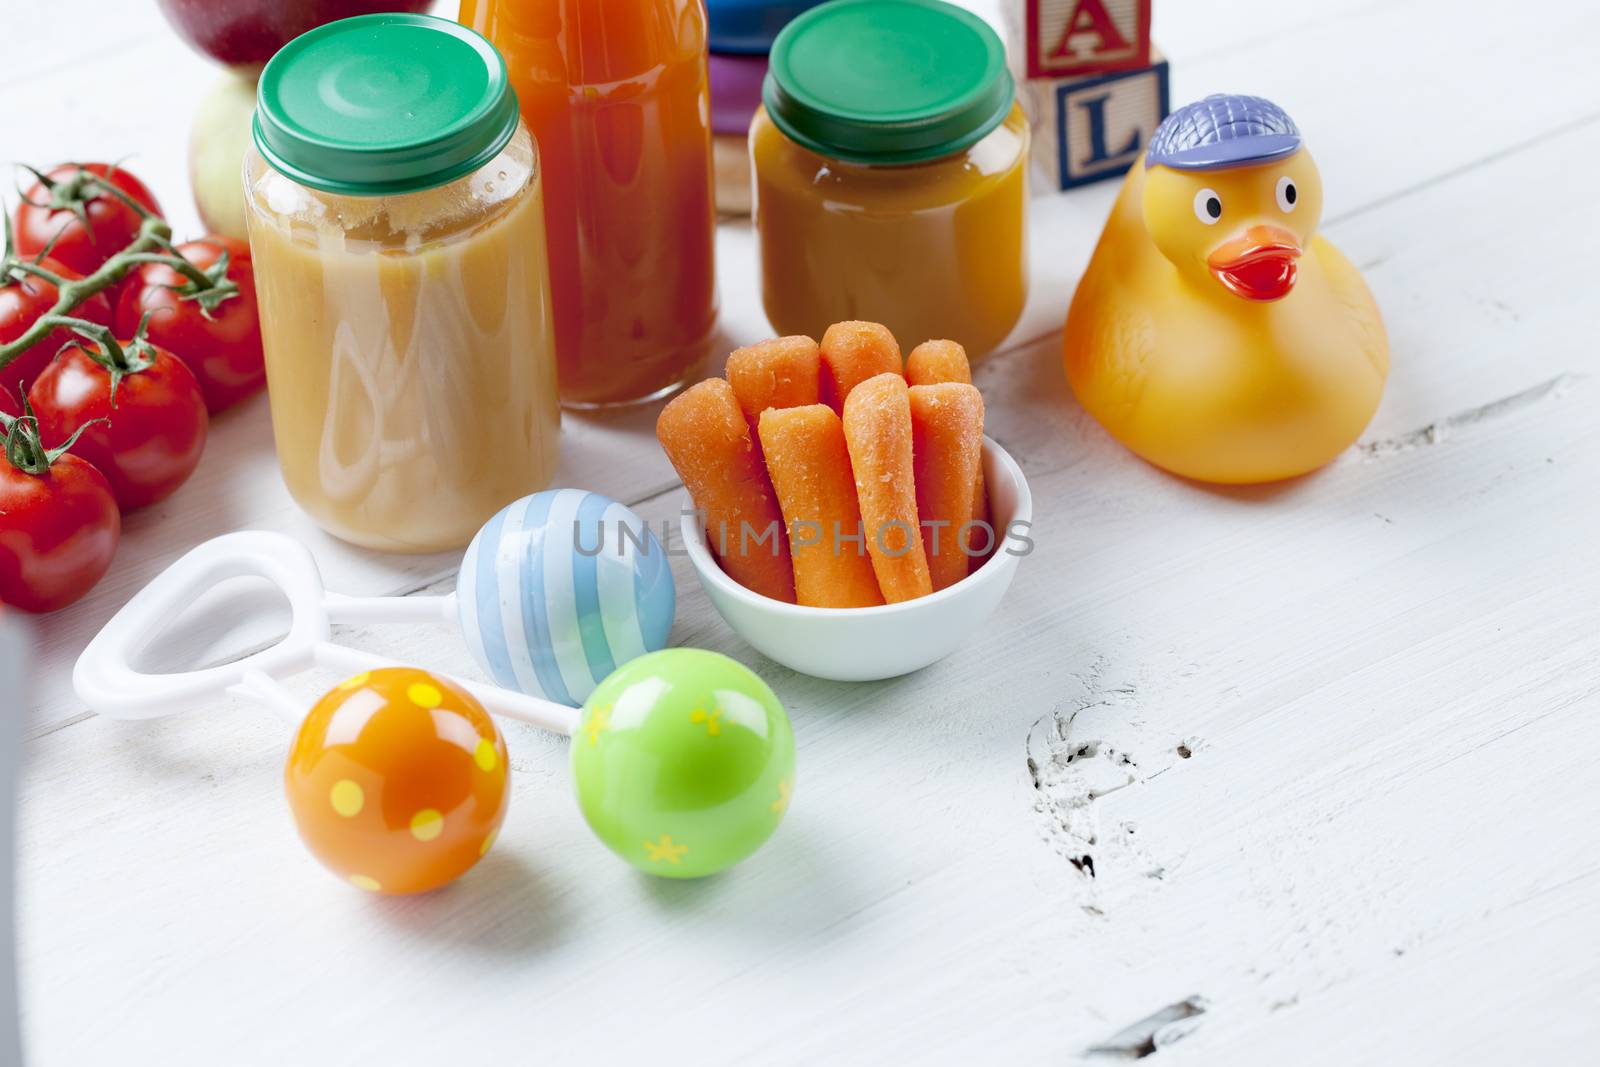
<point>1328,747</point>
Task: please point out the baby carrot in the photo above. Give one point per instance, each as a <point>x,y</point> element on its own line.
<point>780,373</point>
<point>705,435</point>
<point>932,362</point>
<point>877,429</point>
<point>938,361</point>
<point>852,352</point>
<point>810,469</point>
<point>947,454</point>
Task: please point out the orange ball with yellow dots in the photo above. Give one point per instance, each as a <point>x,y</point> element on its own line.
<point>397,780</point>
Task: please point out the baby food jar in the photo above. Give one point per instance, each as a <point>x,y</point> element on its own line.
<point>890,163</point>
<point>397,228</point>
<point>616,94</point>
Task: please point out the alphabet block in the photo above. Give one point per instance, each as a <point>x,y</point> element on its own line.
<point>1086,129</point>
<point>1079,37</point>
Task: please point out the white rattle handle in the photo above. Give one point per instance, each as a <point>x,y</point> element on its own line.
<point>547,714</point>
<point>270,693</point>
<point>104,676</point>
<point>107,681</point>
<point>267,691</point>
<point>365,610</point>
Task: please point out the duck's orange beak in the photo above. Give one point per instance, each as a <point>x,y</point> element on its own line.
<point>1257,265</point>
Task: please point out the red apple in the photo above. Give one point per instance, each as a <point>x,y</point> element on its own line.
<point>245,33</point>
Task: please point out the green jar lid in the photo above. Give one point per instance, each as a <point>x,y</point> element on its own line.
<point>382,104</point>
<point>887,81</point>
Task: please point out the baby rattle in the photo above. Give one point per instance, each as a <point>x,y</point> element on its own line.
<point>683,759</point>
<point>554,592</point>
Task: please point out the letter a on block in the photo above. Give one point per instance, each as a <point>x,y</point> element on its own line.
<point>1075,37</point>
<point>1088,17</point>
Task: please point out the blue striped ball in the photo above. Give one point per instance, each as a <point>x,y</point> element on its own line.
<point>555,593</point>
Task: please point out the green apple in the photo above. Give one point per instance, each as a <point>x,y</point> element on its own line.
<point>217,141</point>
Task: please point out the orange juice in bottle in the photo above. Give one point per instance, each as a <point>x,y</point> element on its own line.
<point>616,95</point>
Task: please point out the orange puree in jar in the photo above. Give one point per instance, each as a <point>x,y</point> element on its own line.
<point>617,97</point>
<point>405,320</point>
<point>932,249</point>
<point>890,162</point>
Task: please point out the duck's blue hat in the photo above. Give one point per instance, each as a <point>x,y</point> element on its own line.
<point>1223,130</point>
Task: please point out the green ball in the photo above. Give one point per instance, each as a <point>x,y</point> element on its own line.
<point>683,762</point>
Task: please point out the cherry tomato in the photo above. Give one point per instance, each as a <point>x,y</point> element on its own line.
<point>59,527</point>
<point>153,435</point>
<point>112,224</point>
<point>221,343</point>
<point>23,298</point>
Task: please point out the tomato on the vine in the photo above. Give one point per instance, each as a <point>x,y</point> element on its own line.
<point>214,328</point>
<point>82,225</point>
<point>59,524</point>
<point>8,403</point>
<point>23,298</point>
<point>155,422</point>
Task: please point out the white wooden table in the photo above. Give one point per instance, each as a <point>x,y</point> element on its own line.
<point>1306,774</point>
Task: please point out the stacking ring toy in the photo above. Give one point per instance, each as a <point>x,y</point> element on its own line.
<point>683,759</point>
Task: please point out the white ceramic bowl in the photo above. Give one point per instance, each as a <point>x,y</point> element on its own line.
<point>863,644</point>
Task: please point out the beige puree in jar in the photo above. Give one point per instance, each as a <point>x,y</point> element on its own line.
<point>408,348</point>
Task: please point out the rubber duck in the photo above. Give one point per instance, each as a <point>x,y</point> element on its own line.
<point>1215,333</point>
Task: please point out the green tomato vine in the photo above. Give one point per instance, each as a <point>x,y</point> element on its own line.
<point>153,244</point>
